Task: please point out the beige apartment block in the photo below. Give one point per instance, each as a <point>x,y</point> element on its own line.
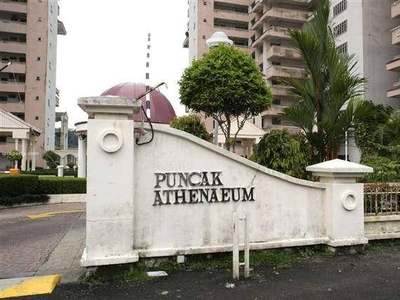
<point>258,27</point>
<point>394,64</point>
<point>208,16</point>
<point>274,53</point>
<point>28,40</point>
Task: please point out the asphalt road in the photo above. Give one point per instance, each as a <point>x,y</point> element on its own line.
<point>29,234</point>
<point>373,275</point>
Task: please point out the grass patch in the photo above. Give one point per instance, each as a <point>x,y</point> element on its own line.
<point>382,245</point>
<point>272,258</point>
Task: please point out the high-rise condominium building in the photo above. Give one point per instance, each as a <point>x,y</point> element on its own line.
<point>258,27</point>
<point>364,28</point>
<point>394,64</point>
<point>28,40</point>
<point>274,53</point>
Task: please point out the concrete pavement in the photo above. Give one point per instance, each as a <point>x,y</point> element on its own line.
<point>41,240</point>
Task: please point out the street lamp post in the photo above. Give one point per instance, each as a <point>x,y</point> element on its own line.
<point>216,39</point>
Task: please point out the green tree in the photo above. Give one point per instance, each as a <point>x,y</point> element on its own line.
<point>283,152</point>
<point>380,134</point>
<point>225,84</point>
<point>385,169</point>
<point>191,124</point>
<point>330,95</point>
<point>14,155</point>
<point>52,159</point>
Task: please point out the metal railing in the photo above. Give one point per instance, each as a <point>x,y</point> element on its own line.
<point>381,198</point>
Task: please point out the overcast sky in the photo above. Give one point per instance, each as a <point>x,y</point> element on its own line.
<point>106,44</point>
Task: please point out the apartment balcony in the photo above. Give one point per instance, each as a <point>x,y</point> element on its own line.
<point>18,107</point>
<point>274,33</point>
<point>283,52</point>
<point>275,71</point>
<point>231,15</point>
<point>16,67</point>
<point>257,6</point>
<point>395,92</point>
<point>14,27</point>
<point>274,110</point>
<point>396,35</point>
<point>290,128</point>
<point>396,9</point>
<point>10,86</point>
<point>281,14</point>
<point>232,31</point>
<point>304,3</point>
<point>10,6</point>
<point>12,47</point>
<point>280,91</point>
<point>394,65</point>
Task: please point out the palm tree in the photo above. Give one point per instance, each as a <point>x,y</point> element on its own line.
<point>330,96</point>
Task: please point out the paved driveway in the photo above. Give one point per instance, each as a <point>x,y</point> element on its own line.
<point>28,235</point>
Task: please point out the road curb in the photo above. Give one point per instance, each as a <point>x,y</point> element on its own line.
<point>28,286</point>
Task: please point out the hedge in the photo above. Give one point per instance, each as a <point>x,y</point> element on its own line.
<point>61,185</point>
<point>15,185</point>
<point>10,201</point>
<point>67,172</point>
<point>17,189</point>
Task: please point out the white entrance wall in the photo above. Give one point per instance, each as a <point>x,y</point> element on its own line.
<point>177,195</point>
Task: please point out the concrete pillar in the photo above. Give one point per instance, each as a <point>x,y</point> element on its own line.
<point>16,148</point>
<point>34,156</point>
<point>344,201</point>
<point>81,131</point>
<point>24,154</point>
<point>82,148</point>
<point>110,182</point>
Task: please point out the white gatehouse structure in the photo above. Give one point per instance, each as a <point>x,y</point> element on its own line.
<point>169,193</point>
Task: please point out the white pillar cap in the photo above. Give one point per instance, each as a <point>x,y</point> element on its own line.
<point>338,168</point>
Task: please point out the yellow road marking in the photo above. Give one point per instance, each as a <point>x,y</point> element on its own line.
<point>34,286</point>
<point>51,214</point>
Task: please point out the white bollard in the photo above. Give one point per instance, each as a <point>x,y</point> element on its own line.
<point>60,171</point>
<point>236,247</point>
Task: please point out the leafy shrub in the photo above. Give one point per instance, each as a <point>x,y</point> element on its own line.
<point>52,159</point>
<point>14,155</point>
<point>283,152</point>
<point>10,201</point>
<point>385,169</point>
<point>191,124</point>
<point>61,185</point>
<point>16,185</point>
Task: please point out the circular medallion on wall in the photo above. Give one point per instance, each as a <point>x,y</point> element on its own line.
<point>349,201</point>
<point>111,140</point>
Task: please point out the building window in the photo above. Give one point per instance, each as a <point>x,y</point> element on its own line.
<point>40,19</point>
<point>339,8</point>
<point>3,139</point>
<point>204,20</point>
<point>204,37</point>
<point>3,98</point>
<point>276,102</point>
<point>39,39</point>
<point>276,121</point>
<point>37,98</point>
<point>340,28</point>
<point>38,78</point>
<point>38,58</point>
<point>342,48</point>
<point>36,117</point>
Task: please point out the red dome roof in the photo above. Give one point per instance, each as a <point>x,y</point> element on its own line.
<point>160,108</point>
